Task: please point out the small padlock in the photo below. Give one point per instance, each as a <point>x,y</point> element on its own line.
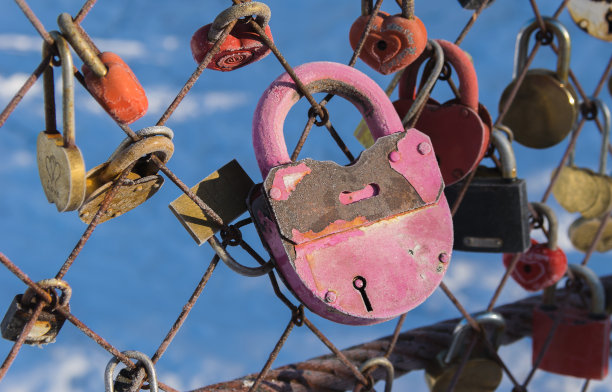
<point>242,46</point>
<point>49,322</point>
<point>580,342</point>
<point>107,77</point>
<point>474,4</point>
<point>493,215</point>
<point>592,16</point>
<point>357,244</point>
<point>60,163</point>
<point>459,130</point>
<point>141,183</point>
<point>393,42</point>
<point>582,232</point>
<point>123,384</point>
<point>542,265</point>
<point>546,106</point>
<point>481,372</point>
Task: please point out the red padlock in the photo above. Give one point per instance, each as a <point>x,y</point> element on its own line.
<point>107,77</point>
<point>242,46</point>
<point>394,41</point>
<point>459,129</point>
<point>542,265</point>
<point>580,342</point>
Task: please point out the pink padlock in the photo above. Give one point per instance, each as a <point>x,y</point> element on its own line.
<point>357,244</point>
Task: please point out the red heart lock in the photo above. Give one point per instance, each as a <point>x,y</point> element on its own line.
<point>393,42</point>
<point>543,264</point>
<point>242,46</point>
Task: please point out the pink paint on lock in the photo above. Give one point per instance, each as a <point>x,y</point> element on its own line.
<point>355,245</point>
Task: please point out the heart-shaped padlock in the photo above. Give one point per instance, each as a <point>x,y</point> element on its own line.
<point>394,41</point>
<point>542,265</point>
<point>459,130</point>
<point>356,244</point>
<point>141,183</point>
<point>242,46</point>
<point>107,77</point>
<point>60,163</point>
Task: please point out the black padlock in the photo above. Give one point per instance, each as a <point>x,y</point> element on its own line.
<point>49,322</point>
<point>494,214</point>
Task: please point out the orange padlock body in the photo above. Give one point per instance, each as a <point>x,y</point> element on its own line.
<point>119,92</point>
<point>579,347</point>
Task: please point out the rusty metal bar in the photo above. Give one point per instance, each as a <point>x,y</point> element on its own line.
<point>84,11</point>
<point>35,21</point>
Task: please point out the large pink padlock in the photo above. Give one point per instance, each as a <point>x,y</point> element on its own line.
<point>357,244</point>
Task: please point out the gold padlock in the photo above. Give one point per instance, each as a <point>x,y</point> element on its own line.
<point>49,322</point>
<point>141,183</point>
<point>481,372</point>
<point>582,233</point>
<point>60,163</point>
<point>545,107</point>
<point>592,16</point>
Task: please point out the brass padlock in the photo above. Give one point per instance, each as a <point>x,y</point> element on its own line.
<point>60,163</point>
<point>481,372</point>
<point>141,183</point>
<point>592,16</point>
<point>48,324</point>
<point>545,107</point>
<point>582,233</point>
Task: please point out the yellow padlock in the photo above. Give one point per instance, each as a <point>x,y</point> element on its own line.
<point>60,163</point>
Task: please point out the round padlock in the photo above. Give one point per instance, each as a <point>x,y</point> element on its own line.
<point>393,42</point>
<point>582,233</point>
<point>593,17</point>
<point>545,107</point>
<point>242,46</point>
<point>542,265</point>
<point>60,163</point>
<point>107,77</point>
<point>109,384</point>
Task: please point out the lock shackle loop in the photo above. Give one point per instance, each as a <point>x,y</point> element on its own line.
<point>68,131</point>
<point>544,210</point>
<point>44,284</point>
<point>598,296</point>
<point>161,146</point>
<point>145,360</point>
<point>82,48</point>
<point>386,365</point>
<point>463,66</point>
<point>463,328</point>
<point>506,130</point>
<point>338,79</point>
<point>155,130</point>
<point>604,111</point>
<point>506,154</point>
<point>260,10</point>
<point>563,40</point>
<point>407,84</point>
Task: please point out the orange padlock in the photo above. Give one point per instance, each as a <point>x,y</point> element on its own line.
<point>107,77</point>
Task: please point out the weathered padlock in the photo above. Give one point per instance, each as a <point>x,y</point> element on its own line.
<point>592,16</point>
<point>474,4</point>
<point>481,372</point>
<point>581,189</point>
<point>459,130</point>
<point>141,183</point>
<point>242,46</point>
<point>580,343</point>
<point>542,265</point>
<point>493,215</point>
<point>49,322</point>
<point>356,244</point>
<point>393,42</point>
<point>107,77</point>
<point>60,163</point>
<point>545,107</point>
<point>124,384</point>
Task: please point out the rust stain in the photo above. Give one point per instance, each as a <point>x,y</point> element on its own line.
<point>334,227</point>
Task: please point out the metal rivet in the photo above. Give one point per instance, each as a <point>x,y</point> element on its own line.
<point>443,257</point>
<point>275,193</point>
<point>395,156</point>
<point>424,148</point>
<point>330,296</point>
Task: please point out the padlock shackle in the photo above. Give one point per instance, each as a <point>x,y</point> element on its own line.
<point>604,111</point>
<point>553,225</point>
<point>155,130</point>
<point>260,10</point>
<point>49,284</point>
<point>144,359</point>
<point>68,131</point>
<point>563,40</point>
<point>463,329</point>
<point>161,146</point>
<point>598,296</point>
<point>506,154</point>
<point>82,48</point>
<point>407,84</point>
<point>338,79</point>
<point>462,64</point>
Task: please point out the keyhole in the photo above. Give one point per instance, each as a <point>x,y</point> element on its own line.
<point>359,283</point>
<point>527,268</point>
<point>381,45</point>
